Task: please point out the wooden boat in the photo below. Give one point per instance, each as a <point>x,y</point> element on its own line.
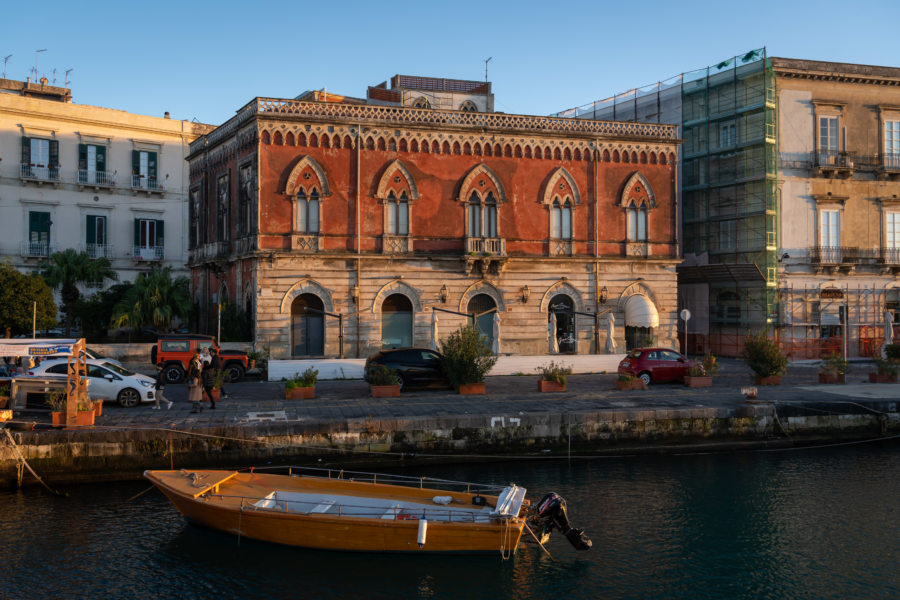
<point>350,511</point>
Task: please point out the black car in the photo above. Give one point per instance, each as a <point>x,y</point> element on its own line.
<point>414,366</point>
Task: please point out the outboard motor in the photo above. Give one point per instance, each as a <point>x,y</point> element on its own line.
<point>551,513</point>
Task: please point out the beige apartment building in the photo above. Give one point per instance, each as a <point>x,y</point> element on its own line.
<point>99,180</point>
<point>839,181</point>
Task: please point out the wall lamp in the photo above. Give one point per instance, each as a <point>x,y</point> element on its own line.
<point>604,295</point>
<point>443,294</point>
<point>525,294</point>
<point>355,294</point>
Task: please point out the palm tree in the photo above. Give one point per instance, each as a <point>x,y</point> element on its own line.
<point>66,269</point>
<point>155,299</point>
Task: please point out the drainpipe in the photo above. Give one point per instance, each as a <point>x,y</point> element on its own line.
<point>596,250</point>
<point>358,244</point>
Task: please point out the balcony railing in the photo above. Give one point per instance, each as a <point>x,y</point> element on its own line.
<point>834,255</point>
<point>890,162</point>
<point>890,256</point>
<point>96,178</point>
<point>148,253</point>
<point>835,159</point>
<point>151,184</point>
<point>37,249</point>
<point>98,250</point>
<point>495,246</point>
<point>38,172</point>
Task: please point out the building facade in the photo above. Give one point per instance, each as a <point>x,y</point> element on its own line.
<point>343,226</point>
<point>99,180</point>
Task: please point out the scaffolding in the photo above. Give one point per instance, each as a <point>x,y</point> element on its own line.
<point>729,171</point>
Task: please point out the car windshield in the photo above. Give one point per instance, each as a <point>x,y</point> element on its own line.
<point>118,369</point>
<point>93,354</point>
<point>635,354</point>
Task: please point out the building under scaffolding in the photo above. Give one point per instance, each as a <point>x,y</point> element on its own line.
<point>728,192</point>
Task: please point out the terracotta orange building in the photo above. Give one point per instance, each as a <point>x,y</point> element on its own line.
<point>344,225</point>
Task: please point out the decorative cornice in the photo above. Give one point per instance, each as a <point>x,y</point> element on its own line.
<point>829,198</point>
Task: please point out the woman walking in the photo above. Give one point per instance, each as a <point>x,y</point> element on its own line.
<point>195,391</point>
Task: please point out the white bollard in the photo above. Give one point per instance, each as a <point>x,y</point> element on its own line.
<point>423,531</point>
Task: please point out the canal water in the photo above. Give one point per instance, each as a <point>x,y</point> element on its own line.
<point>818,524</point>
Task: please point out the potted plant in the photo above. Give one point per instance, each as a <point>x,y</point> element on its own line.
<point>384,383</point>
<point>467,359</point>
<point>553,377</point>
<point>886,371</point>
<point>833,369</point>
<point>85,415</point>
<point>626,382</point>
<point>302,386</point>
<point>259,359</point>
<point>220,378</point>
<point>57,400</point>
<point>4,393</point>
<point>765,359</point>
<point>698,377</point>
<point>98,407</point>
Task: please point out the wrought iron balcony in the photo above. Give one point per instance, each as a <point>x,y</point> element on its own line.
<point>149,184</point>
<point>835,159</point>
<point>890,162</point>
<point>890,256</point>
<point>148,253</point>
<point>40,173</point>
<point>842,255</point>
<point>493,246</point>
<point>98,250</point>
<point>37,249</point>
<point>96,178</point>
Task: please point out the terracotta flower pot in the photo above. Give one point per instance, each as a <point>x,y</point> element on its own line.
<point>878,378</point>
<point>770,380</point>
<point>84,418</point>
<point>385,391</point>
<point>698,381</point>
<point>4,401</point>
<point>550,386</point>
<point>300,393</point>
<point>215,393</point>
<point>634,384</point>
<point>98,408</point>
<point>471,388</point>
<point>59,418</point>
<point>831,377</point>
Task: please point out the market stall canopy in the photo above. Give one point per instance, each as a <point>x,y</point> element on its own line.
<point>640,312</point>
<point>26,347</point>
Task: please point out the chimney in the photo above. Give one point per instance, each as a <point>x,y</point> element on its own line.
<point>166,115</point>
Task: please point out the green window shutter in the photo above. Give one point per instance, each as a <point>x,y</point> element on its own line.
<point>90,236</point>
<point>54,153</point>
<point>151,164</point>
<point>82,156</point>
<point>135,162</point>
<point>160,233</point>
<point>137,232</point>
<point>101,158</point>
<point>39,221</point>
<point>26,150</point>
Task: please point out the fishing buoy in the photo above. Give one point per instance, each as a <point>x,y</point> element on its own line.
<point>423,531</point>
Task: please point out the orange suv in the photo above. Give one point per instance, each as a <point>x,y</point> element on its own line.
<point>174,351</point>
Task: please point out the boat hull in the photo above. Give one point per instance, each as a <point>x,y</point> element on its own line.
<point>223,512</point>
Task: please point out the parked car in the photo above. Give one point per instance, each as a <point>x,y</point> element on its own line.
<point>414,366</point>
<point>93,354</point>
<point>174,351</point>
<point>655,364</point>
<point>107,381</point>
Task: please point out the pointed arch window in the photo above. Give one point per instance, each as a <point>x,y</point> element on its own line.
<point>308,211</point>
<point>482,216</point>
<point>561,219</point>
<point>636,216</point>
<point>397,214</point>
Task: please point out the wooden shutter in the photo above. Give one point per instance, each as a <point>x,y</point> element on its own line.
<point>90,236</point>
<point>137,232</point>
<point>135,162</point>
<point>26,150</point>
<point>54,153</point>
<point>82,157</point>
<point>151,165</point>
<point>160,233</point>
<point>101,158</point>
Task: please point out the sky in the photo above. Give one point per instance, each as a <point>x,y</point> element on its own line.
<point>204,60</point>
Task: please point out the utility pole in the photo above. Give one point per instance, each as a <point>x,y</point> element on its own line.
<point>5,60</point>
<point>486,68</point>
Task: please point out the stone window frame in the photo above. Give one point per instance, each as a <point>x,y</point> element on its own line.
<point>829,109</point>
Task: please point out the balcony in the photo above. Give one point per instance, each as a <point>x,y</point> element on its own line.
<point>831,163</point>
<point>98,250</point>
<point>485,255</point>
<point>148,253</point>
<point>841,257</point>
<point>889,166</point>
<point>890,260</point>
<point>37,249</point>
<point>151,185</point>
<point>245,245</point>
<point>96,179</point>
<point>39,173</point>
<point>395,244</point>
<point>487,246</point>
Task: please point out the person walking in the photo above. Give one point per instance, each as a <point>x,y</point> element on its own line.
<point>218,365</point>
<point>195,391</point>
<point>160,388</point>
<point>209,378</point>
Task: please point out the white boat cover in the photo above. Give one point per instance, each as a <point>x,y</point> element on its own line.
<point>509,502</point>
<point>640,312</point>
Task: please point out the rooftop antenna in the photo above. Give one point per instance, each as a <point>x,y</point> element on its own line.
<point>485,68</point>
<point>54,76</point>
<point>66,84</point>
<point>5,60</point>
<point>34,71</point>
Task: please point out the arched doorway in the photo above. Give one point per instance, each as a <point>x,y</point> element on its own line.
<point>481,303</point>
<point>562,306</point>
<point>307,327</point>
<point>396,322</point>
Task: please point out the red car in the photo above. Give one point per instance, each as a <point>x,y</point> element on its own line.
<point>655,364</point>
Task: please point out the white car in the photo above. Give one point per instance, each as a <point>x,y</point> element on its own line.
<point>108,381</point>
<point>92,354</point>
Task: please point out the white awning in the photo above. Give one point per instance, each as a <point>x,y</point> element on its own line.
<point>640,312</point>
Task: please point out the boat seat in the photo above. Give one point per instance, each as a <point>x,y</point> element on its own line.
<point>391,512</point>
<point>323,506</point>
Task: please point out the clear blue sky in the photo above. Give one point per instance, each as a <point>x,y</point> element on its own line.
<point>205,60</point>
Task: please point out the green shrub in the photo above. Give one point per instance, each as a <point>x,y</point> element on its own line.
<point>835,364</point>
<point>625,377</point>
<point>554,372</point>
<point>467,357</point>
<point>886,366</point>
<point>381,375</point>
<point>763,356</point>
<point>892,351</point>
<point>306,380</point>
<point>57,400</point>
<point>710,364</point>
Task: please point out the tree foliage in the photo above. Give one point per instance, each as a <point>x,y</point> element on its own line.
<point>467,357</point>
<point>763,356</point>
<point>18,292</point>
<point>154,300</point>
<point>66,269</point>
<point>95,312</point>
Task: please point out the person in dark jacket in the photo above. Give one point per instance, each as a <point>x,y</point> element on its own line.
<point>160,387</point>
<point>210,372</point>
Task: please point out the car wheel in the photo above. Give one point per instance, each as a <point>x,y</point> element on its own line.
<point>235,372</point>
<point>400,381</point>
<point>128,398</point>
<point>173,373</point>
<point>645,377</point>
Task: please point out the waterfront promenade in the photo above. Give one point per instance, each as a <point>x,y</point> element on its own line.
<point>343,425</point>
